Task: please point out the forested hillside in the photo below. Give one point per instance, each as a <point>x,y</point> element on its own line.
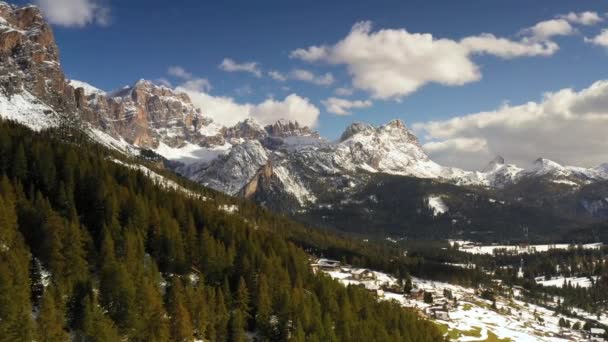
<point>96,251</point>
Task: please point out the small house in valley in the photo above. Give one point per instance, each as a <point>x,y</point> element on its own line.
<point>363,274</point>
<point>329,265</point>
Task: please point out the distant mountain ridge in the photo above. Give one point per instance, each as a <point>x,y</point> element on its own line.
<point>284,165</point>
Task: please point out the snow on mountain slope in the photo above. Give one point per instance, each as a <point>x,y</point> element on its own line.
<point>391,148</point>
<point>88,89</point>
<point>231,172</point>
<point>543,167</point>
<point>27,109</point>
<point>294,186</point>
<point>437,205</point>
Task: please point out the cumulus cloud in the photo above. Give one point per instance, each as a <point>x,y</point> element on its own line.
<point>547,29</point>
<point>567,126</point>
<point>227,111</point>
<point>232,66</point>
<point>293,107</point>
<point>582,18</point>
<point>188,81</point>
<point>340,106</point>
<point>74,13</point>
<point>392,63</point>
<point>600,40</point>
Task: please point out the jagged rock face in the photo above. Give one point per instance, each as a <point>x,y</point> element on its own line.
<point>248,130</point>
<point>283,128</point>
<point>230,173</point>
<point>146,115</point>
<point>29,58</point>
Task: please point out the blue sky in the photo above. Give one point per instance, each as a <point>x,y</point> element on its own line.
<point>118,42</point>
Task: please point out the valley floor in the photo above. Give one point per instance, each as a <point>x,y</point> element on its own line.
<point>467,316</point>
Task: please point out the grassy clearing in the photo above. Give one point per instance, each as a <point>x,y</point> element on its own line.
<point>454,334</point>
<point>493,338</point>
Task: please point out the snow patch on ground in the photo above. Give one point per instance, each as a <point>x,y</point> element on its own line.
<point>574,281</point>
<point>473,318</point>
<point>470,247</point>
<point>158,179</point>
<point>229,208</point>
<point>437,205</point>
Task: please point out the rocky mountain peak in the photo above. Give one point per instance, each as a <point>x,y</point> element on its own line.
<point>545,163</point>
<point>497,162</point>
<point>356,128</point>
<point>286,128</point>
<point>248,129</point>
<point>29,59</point>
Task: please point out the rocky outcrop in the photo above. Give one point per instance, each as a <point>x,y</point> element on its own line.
<point>284,128</point>
<point>260,179</point>
<point>146,115</point>
<point>29,59</point>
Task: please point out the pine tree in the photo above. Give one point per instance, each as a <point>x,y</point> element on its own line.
<point>264,308</point>
<point>153,325</point>
<point>241,301</point>
<point>181,322</point>
<point>51,320</point>
<point>237,326</point>
<point>19,164</point>
<point>15,306</point>
<point>221,317</point>
<point>97,327</point>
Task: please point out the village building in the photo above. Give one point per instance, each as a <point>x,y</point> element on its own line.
<point>374,289</point>
<point>438,312</point>
<point>417,294</point>
<point>329,265</point>
<point>363,274</point>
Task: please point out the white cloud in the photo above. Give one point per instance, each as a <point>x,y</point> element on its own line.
<point>307,76</point>
<point>343,91</point>
<point>179,72</point>
<point>311,54</point>
<point>566,126</point>
<point>340,106</point>
<point>74,13</point>
<point>582,18</point>
<point>277,76</point>
<point>392,63</point>
<point>196,84</point>
<point>293,107</point>
<point>547,29</point>
<point>232,66</point>
<point>227,111</point>
<point>163,81</point>
<point>501,47</point>
<point>600,40</point>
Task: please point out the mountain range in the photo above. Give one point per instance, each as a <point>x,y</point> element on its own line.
<point>286,166</point>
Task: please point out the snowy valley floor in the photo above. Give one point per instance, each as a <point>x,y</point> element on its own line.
<point>473,318</point>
